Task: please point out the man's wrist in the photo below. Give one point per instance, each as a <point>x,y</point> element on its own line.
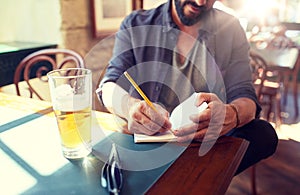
<point>234,108</point>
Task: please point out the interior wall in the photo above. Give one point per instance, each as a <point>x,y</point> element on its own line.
<point>67,23</point>
<point>30,21</point>
<point>76,26</point>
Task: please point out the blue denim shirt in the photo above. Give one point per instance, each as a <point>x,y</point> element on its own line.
<point>145,43</point>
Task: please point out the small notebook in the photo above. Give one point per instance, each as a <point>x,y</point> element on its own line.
<point>179,117</point>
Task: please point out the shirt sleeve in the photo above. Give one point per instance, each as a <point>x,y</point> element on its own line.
<point>236,69</point>
<point>122,57</point>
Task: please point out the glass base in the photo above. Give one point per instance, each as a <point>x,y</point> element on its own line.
<point>76,153</point>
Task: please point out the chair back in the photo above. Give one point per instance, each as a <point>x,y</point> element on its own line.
<point>267,86</point>
<point>38,64</point>
<point>259,71</point>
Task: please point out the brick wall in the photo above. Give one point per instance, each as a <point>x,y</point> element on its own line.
<point>76,26</point>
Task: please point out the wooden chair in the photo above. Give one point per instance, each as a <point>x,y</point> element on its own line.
<point>281,42</point>
<point>253,179</point>
<point>267,86</point>
<point>289,69</point>
<point>291,74</point>
<point>38,64</point>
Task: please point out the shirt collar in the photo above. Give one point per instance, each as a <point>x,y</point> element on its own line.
<point>168,22</point>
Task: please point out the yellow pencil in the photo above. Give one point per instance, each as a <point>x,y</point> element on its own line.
<point>139,90</point>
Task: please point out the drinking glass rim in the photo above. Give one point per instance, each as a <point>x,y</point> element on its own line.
<point>50,74</point>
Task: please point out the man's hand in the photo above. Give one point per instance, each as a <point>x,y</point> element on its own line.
<point>143,119</point>
<point>217,120</point>
<point>140,116</point>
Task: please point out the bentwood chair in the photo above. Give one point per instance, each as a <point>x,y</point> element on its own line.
<point>36,65</point>
<point>267,86</point>
<point>293,75</point>
<point>289,74</point>
<point>286,59</point>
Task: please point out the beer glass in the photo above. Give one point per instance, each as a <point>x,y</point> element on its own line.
<point>71,96</point>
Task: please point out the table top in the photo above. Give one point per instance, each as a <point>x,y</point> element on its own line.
<point>283,58</point>
<point>31,159</point>
<point>13,46</point>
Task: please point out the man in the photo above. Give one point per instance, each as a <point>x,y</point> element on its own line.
<point>180,48</point>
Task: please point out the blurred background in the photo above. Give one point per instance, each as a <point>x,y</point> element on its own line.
<point>87,26</point>
<point>70,23</point>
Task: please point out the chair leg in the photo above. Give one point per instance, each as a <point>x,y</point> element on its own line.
<point>269,110</point>
<point>278,110</point>
<point>253,179</point>
<point>285,88</point>
<point>295,94</point>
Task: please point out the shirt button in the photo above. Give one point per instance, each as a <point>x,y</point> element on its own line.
<point>157,88</point>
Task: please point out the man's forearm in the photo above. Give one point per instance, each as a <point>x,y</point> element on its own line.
<point>116,99</point>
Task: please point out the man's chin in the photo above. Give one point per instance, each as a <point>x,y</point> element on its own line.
<point>189,21</point>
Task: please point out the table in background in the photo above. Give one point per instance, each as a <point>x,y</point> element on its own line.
<point>34,164</point>
<point>11,53</point>
<point>287,62</point>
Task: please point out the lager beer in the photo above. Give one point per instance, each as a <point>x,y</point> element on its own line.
<point>74,128</point>
<point>71,96</point>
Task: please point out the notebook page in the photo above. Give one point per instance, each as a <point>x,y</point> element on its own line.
<point>179,117</point>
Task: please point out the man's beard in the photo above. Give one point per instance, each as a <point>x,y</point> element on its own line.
<point>189,21</point>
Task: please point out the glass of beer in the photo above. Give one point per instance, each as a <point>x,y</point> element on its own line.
<point>71,96</point>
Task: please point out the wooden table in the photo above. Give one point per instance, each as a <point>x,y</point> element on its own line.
<point>287,62</point>
<point>30,171</point>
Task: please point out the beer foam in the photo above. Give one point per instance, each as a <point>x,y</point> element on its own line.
<point>63,90</point>
<point>66,100</point>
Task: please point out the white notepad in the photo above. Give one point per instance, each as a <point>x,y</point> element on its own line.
<point>179,117</point>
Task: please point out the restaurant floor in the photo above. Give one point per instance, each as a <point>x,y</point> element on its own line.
<point>279,174</point>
